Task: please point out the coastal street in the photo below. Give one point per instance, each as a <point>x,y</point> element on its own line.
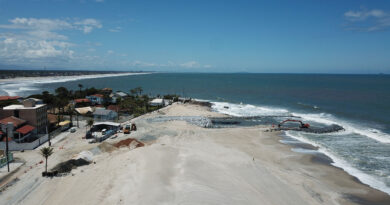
<point>183,163</point>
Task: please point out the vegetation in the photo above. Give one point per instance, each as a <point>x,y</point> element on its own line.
<point>90,122</point>
<point>135,104</point>
<point>46,152</point>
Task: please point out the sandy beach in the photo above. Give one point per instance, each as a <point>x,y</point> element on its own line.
<point>182,163</point>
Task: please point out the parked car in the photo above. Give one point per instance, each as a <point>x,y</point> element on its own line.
<point>72,130</point>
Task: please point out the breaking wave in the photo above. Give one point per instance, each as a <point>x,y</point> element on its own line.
<point>355,135</point>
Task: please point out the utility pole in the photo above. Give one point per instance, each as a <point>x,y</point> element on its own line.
<point>9,129</point>
<point>48,135</point>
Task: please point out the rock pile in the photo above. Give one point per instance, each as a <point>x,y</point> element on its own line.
<point>195,120</point>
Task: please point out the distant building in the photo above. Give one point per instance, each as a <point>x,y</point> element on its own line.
<point>120,94</point>
<point>101,114</point>
<point>81,102</point>
<point>115,96</point>
<point>96,99</point>
<point>34,114</point>
<point>107,90</point>
<point>115,108</point>
<point>5,98</point>
<point>8,100</point>
<point>157,102</point>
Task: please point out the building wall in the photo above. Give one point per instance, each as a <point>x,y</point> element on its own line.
<point>5,113</point>
<point>35,117</point>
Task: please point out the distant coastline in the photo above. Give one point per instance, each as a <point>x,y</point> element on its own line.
<point>7,74</point>
<point>15,85</point>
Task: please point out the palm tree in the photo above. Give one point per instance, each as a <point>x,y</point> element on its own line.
<point>46,152</point>
<point>90,122</point>
<point>80,86</point>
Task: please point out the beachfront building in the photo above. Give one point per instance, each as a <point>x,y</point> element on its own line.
<point>34,114</point>
<point>157,102</point>
<point>117,95</point>
<point>101,114</point>
<point>96,99</point>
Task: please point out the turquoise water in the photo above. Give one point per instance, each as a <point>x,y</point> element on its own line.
<point>359,103</point>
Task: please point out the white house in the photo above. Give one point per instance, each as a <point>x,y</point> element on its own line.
<point>157,102</point>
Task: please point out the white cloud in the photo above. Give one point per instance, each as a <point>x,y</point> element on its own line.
<point>190,64</point>
<point>364,14</point>
<point>110,52</point>
<point>367,20</point>
<point>142,64</point>
<point>30,41</point>
<point>169,64</point>
<point>87,25</point>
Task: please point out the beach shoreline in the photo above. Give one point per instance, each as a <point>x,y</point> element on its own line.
<point>185,163</point>
<point>71,77</point>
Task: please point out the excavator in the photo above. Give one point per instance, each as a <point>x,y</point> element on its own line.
<point>303,125</point>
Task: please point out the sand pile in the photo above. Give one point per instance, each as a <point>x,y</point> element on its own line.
<point>130,142</point>
<point>194,120</point>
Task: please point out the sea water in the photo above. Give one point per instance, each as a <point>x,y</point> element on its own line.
<point>359,103</point>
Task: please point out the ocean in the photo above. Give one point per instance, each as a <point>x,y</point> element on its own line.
<point>359,103</point>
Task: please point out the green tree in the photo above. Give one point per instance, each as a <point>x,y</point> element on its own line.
<point>80,86</point>
<point>46,152</point>
<point>90,122</point>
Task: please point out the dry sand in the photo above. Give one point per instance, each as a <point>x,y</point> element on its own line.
<point>186,164</point>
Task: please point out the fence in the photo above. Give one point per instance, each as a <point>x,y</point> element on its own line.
<point>3,160</point>
<point>14,146</point>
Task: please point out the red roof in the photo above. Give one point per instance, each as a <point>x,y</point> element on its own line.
<point>16,121</point>
<point>25,129</point>
<point>113,108</point>
<point>98,95</point>
<point>5,139</point>
<point>9,98</point>
<point>82,100</point>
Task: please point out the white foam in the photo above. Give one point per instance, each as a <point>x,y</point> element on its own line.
<point>242,110</point>
<point>349,127</point>
<point>247,110</point>
<point>370,180</point>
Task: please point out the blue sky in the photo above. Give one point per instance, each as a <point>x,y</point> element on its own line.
<point>310,36</point>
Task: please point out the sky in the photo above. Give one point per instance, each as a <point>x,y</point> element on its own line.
<point>301,36</point>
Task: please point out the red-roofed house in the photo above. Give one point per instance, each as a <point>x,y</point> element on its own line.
<point>3,98</point>
<point>24,132</point>
<point>14,120</point>
<point>82,102</point>
<point>25,129</point>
